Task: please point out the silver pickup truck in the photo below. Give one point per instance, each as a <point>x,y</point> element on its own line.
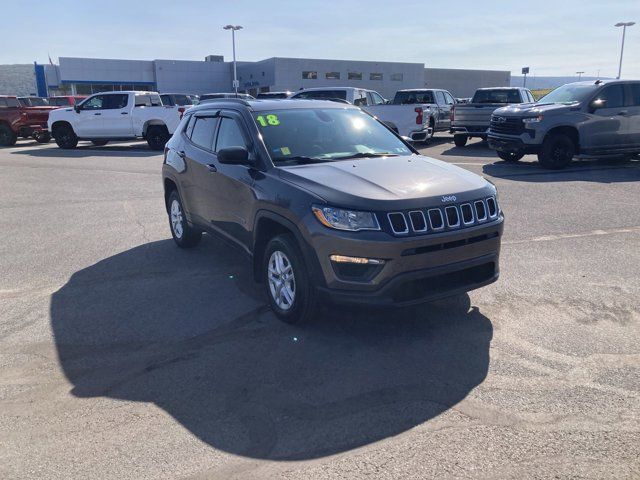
<point>473,119</point>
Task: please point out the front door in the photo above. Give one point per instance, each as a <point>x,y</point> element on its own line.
<point>116,116</point>
<point>88,121</point>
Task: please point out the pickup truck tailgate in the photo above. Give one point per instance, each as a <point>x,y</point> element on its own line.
<point>471,115</point>
<point>37,115</point>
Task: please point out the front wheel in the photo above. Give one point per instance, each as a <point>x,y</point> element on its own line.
<point>157,137</point>
<point>292,296</point>
<point>42,137</point>
<point>510,156</point>
<point>460,140</point>
<point>65,137</point>
<point>557,151</point>
<point>183,234</point>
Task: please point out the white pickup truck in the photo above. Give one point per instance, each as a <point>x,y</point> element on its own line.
<point>412,121</point>
<point>115,116</point>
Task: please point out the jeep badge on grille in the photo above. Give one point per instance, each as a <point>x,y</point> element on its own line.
<point>448,198</point>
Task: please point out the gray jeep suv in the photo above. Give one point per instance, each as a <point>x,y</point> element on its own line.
<point>329,203</point>
<point>587,119</point>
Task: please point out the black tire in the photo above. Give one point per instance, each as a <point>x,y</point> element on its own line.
<point>303,308</point>
<point>432,125</point>
<point>99,143</point>
<point>157,137</point>
<point>43,137</point>
<point>7,136</point>
<point>510,156</point>
<point>183,234</point>
<point>557,151</point>
<point>65,137</point>
<point>460,140</point>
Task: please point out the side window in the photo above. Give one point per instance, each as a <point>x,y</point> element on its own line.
<point>155,100</point>
<point>203,131</point>
<point>449,98</point>
<point>143,101</point>
<point>94,103</point>
<point>360,98</point>
<point>229,135</point>
<point>3,102</point>
<point>189,126</point>
<point>440,97</point>
<point>635,95</point>
<point>166,100</point>
<point>613,95</point>
<point>377,99</point>
<point>115,101</point>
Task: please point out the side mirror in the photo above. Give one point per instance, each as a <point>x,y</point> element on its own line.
<point>596,104</point>
<point>234,156</point>
<point>77,108</point>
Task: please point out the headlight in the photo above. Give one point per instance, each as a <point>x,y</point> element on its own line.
<point>340,219</point>
<point>530,120</point>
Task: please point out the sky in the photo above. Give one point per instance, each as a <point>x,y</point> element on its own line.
<point>553,38</point>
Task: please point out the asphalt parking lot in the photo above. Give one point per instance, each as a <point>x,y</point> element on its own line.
<point>122,356</point>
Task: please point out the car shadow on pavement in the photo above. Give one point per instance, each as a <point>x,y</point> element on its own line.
<point>601,171</point>
<point>477,149</point>
<point>189,331</point>
<point>87,150</point>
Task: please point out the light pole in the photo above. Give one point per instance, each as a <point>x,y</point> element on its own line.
<point>579,75</point>
<point>624,26</point>
<point>233,29</point>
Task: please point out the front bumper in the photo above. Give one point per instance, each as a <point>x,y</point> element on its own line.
<point>416,269</point>
<point>510,144</point>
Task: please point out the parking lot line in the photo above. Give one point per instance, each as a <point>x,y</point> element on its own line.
<point>562,236</point>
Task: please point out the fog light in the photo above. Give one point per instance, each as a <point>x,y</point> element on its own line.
<point>358,260</point>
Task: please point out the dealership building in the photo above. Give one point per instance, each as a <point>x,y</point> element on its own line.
<point>84,76</point>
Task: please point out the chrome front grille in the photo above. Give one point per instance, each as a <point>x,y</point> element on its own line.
<point>449,217</point>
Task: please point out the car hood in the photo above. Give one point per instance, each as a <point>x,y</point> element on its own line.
<point>532,109</point>
<point>380,183</point>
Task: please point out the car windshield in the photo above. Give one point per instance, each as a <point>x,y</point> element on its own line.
<point>409,98</point>
<point>570,93</point>
<point>496,96</point>
<point>325,134</point>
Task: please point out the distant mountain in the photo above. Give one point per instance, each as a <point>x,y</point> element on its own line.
<point>536,82</point>
<point>17,80</point>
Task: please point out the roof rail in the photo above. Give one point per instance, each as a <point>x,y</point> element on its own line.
<point>226,99</point>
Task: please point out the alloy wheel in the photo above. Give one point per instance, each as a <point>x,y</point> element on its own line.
<point>176,219</point>
<point>282,283</point>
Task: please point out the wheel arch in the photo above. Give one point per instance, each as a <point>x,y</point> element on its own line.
<point>267,225</point>
<point>170,185</point>
<point>60,123</point>
<point>153,122</point>
<point>568,130</point>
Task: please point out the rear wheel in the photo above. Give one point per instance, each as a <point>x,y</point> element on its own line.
<point>99,143</point>
<point>460,140</point>
<point>65,137</point>
<point>7,136</point>
<point>510,156</point>
<point>157,137</point>
<point>557,151</point>
<point>183,234</point>
<point>292,296</point>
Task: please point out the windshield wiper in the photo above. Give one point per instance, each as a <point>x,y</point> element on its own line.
<point>301,159</point>
<point>367,155</point>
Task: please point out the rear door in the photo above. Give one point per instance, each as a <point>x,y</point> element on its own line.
<point>116,116</point>
<point>608,127</point>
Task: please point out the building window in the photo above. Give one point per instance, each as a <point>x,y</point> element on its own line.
<point>309,75</point>
<point>355,76</point>
<point>397,77</point>
<point>375,76</point>
<point>332,75</point>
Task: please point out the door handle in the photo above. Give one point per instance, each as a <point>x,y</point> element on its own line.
<point>623,112</point>
<point>212,168</point>
<point>124,113</point>
<point>97,114</point>
<point>181,154</point>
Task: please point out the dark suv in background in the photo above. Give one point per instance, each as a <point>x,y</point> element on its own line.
<point>587,119</point>
<point>328,202</point>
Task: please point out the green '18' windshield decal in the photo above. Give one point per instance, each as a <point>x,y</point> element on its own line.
<point>268,120</point>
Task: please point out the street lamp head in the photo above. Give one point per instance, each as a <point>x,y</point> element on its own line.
<point>232,27</point>
<point>624,24</point>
